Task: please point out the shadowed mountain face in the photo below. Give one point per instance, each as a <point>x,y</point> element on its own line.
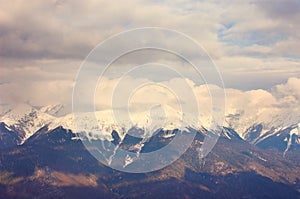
<point>8,137</point>
<point>53,163</point>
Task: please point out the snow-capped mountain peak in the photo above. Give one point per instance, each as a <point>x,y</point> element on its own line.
<point>25,119</point>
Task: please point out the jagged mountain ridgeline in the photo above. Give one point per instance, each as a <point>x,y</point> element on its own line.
<point>43,157</point>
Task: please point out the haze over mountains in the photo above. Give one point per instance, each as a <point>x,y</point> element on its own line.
<point>255,115</point>
<point>258,149</point>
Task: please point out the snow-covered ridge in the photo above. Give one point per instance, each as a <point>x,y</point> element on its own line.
<point>28,119</point>
<point>25,119</point>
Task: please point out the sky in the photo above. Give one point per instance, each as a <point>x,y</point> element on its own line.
<point>253,43</point>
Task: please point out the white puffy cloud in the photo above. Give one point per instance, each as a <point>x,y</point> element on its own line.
<point>279,107</point>
<point>289,90</point>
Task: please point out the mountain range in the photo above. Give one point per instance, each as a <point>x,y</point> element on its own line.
<point>42,157</point>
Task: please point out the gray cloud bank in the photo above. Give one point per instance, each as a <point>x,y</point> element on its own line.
<point>42,43</point>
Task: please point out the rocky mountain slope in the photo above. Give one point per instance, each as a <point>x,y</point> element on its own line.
<point>53,163</point>
<point>42,156</point>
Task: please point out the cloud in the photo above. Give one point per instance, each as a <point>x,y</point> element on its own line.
<point>38,85</point>
<point>278,107</point>
<point>290,90</point>
<point>42,44</point>
<point>280,9</point>
<point>39,93</point>
<point>71,29</point>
